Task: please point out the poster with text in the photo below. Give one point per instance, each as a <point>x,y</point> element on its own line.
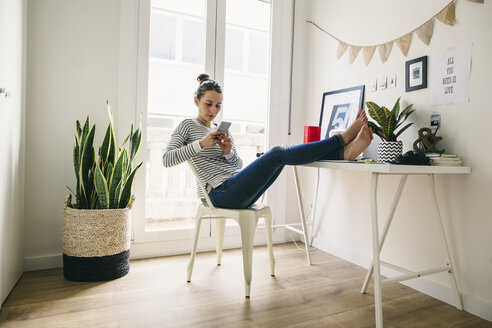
<point>451,76</point>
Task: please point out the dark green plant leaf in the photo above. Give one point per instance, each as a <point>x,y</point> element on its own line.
<point>376,130</point>
<point>117,192</point>
<point>104,150</point>
<point>125,141</point>
<point>376,112</point>
<point>91,188</point>
<point>405,113</point>
<point>86,162</point>
<point>101,188</point>
<point>403,129</point>
<point>78,198</point>
<point>396,107</point>
<point>127,166</point>
<point>135,144</point>
<point>116,178</point>
<point>85,131</point>
<point>388,121</point>
<point>78,129</point>
<point>113,146</point>
<point>127,189</point>
<point>76,157</point>
<point>389,126</point>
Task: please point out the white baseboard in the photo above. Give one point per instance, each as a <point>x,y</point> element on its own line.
<point>43,262</point>
<point>154,249</point>
<point>472,304</point>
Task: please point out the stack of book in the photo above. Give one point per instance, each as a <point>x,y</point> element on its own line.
<point>444,159</point>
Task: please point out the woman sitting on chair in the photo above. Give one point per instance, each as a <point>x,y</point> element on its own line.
<point>219,167</point>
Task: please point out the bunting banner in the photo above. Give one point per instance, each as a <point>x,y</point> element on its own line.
<point>446,16</point>
<point>341,49</point>
<point>425,31</point>
<point>354,51</point>
<point>368,52</point>
<point>404,43</point>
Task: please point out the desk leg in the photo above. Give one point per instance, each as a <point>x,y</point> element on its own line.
<point>387,225</point>
<point>315,201</point>
<point>303,216</point>
<point>452,277</point>
<point>378,304</point>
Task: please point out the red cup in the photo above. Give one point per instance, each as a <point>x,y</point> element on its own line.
<point>312,133</point>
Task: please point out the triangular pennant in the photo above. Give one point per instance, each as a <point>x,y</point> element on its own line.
<point>447,15</point>
<point>354,51</point>
<point>341,49</point>
<point>425,32</point>
<point>404,43</point>
<point>367,52</point>
<point>385,50</point>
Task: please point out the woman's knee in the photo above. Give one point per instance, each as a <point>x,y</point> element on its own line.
<point>277,154</point>
<point>276,151</point>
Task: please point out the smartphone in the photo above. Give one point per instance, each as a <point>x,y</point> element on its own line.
<point>223,127</point>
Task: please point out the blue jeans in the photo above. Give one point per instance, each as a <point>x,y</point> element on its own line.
<point>244,188</point>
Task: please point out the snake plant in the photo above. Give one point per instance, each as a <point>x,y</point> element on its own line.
<point>388,121</point>
<point>107,182</point>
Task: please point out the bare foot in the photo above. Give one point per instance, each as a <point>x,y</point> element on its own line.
<point>351,133</point>
<point>360,143</point>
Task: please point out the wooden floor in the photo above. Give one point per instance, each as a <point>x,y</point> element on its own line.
<point>155,294</point>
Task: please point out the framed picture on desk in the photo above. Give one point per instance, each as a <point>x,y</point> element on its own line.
<point>339,109</point>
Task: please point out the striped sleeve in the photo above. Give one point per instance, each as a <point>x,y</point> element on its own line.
<point>177,151</point>
<point>212,165</point>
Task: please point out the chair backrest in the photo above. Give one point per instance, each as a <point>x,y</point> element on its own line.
<point>202,186</point>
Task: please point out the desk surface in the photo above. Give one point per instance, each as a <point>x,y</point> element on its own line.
<point>391,168</point>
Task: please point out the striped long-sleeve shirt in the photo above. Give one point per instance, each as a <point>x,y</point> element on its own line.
<point>212,165</point>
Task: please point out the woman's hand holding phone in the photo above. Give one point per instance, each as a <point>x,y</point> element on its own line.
<point>219,137</point>
<point>224,142</point>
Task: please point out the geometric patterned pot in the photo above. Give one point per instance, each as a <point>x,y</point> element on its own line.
<point>389,150</point>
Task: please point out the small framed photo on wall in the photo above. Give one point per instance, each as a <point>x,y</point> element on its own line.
<point>416,74</point>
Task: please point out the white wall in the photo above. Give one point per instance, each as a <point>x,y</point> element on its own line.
<point>72,69</point>
<point>12,44</point>
<point>344,203</point>
<point>72,63</point>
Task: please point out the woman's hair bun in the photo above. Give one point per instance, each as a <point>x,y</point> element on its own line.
<point>203,77</point>
<point>206,84</point>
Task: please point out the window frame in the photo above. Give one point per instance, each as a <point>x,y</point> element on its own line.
<point>132,98</point>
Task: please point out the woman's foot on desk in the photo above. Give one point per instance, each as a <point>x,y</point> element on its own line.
<point>353,130</point>
<point>360,143</point>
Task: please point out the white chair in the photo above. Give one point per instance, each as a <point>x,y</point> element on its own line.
<point>247,220</point>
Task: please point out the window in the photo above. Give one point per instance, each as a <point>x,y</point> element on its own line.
<point>193,41</point>
<point>234,49</point>
<point>162,36</point>
<point>183,43</point>
<point>258,53</point>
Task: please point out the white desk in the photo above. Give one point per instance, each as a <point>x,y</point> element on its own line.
<point>378,241</point>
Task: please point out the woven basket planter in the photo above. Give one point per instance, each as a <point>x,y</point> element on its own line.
<point>389,150</point>
<point>96,243</point>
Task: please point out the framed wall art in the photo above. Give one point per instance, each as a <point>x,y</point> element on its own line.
<point>416,74</point>
<point>339,108</point>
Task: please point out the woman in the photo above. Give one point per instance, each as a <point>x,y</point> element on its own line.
<point>219,166</point>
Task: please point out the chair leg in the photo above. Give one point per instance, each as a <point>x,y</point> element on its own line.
<point>247,223</point>
<point>198,222</point>
<point>220,239</point>
<point>268,227</point>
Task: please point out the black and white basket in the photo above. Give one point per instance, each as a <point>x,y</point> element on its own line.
<point>96,243</point>
<point>389,150</point>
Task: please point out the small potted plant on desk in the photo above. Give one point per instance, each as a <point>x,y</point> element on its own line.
<point>96,229</point>
<point>385,127</point>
